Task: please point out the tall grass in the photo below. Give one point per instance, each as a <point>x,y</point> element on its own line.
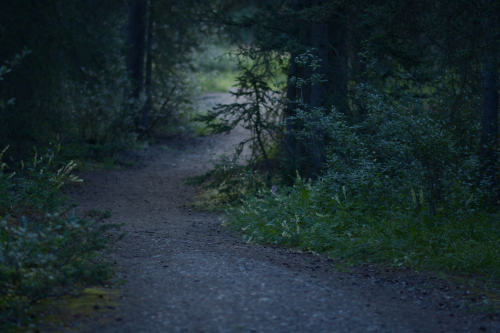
<point>307,216</point>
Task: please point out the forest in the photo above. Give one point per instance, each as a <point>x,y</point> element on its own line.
<point>372,130</point>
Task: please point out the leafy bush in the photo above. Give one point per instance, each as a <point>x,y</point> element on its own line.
<point>399,151</point>
<point>101,121</point>
<point>44,249</point>
<point>311,217</point>
<point>257,106</point>
<point>226,183</point>
<point>396,188</point>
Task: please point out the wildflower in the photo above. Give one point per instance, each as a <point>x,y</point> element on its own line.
<point>274,190</point>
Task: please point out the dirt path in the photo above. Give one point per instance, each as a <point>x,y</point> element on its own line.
<point>186,273</point>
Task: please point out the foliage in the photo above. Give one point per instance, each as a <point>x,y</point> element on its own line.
<point>175,37</point>
<point>216,68</point>
<point>72,83</point>
<point>102,125</point>
<point>354,230</point>
<point>226,183</point>
<point>397,188</point>
<point>382,111</point>
<point>69,44</point>
<point>257,106</point>
<point>45,250</point>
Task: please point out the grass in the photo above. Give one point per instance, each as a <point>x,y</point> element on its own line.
<point>358,232</point>
<point>217,81</point>
<point>217,69</point>
<point>90,304</point>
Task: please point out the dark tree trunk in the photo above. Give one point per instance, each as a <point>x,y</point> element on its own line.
<point>290,139</point>
<point>328,39</point>
<point>489,124</point>
<point>149,70</point>
<point>135,47</point>
<point>489,119</point>
<point>337,65</point>
<point>294,153</point>
<point>319,41</point>
<point>318,95</point>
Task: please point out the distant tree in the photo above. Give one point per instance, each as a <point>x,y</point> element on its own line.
<point>148,84</point>
<point>72,44</point>
<point>136,51</point>
<point>489,120</point>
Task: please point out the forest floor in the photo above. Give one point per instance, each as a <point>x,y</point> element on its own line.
<point>184,272</point>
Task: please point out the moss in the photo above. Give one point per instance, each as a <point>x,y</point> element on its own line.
<point>95,306</point>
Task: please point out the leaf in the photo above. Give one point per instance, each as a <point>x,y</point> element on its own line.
<point>304,195</point>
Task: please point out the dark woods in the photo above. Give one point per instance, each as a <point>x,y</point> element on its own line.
<point>78,80</point>
<point>65,64</point>
<point>383,137</point>
<point>81,72</point>
<point>376,122</point>
<point>412,84</point>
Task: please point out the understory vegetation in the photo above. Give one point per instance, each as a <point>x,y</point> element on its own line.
<point>356,231</point>
<point>216,68</point>
<point>372,127</point>
<point>97,78</point>
<point>46,250</point>
<point>371,152</point>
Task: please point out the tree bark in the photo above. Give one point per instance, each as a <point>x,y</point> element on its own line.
<point>149,71</point>
<point>318,95</point>
<point>135,47</point>
<point>489,126</point>
<point>489,119</point>
<point>337,65</point>
<point>291,96</point>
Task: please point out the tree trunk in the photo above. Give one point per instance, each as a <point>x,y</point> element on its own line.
<point>489,126</point>
<point>135,47</point>
<point>337,65</point>
<point>291,96</point>
<point>149,69</point>
<point>489,119</point>
<point>293,147</point>
<point>318,96</point>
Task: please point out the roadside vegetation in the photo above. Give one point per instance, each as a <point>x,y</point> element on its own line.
<point>216,67</point>
<point>370,153</point>
<point>80,83</point>
<point>46,250</point>
<point>373,128</point>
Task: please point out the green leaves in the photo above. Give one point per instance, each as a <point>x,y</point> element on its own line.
<point>345,226</point>
<point>44,250</point>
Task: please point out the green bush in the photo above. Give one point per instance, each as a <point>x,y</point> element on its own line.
<point>396,188</point>
<point>311,217</point>
<point>45,250</point>
<point>226,183</point>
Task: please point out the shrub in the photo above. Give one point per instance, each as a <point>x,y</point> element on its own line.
<point>354,230</point>
<point>45,250</point>
<point>226,183</point>
<point>396,189</point>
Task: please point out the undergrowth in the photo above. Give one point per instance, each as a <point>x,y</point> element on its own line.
<point>216,69</point>
<point>355,231</point>
<point>226,183</point>
<point>45,249</point>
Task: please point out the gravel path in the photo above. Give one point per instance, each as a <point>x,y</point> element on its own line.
<point>186,273</point>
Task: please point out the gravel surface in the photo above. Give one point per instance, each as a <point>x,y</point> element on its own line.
<point>184,272</point>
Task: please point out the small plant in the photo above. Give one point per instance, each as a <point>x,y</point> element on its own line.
<point>45,250</point>
<point>257,107</point>
<point>227,183</point>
